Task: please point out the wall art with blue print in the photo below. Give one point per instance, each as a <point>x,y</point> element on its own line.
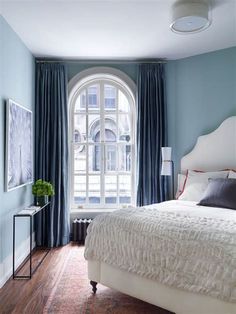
<point>19,156</point>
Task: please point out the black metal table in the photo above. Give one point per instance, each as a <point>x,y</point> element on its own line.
<point>28,214</point>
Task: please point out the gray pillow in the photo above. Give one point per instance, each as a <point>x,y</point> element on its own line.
<point>220,193</point>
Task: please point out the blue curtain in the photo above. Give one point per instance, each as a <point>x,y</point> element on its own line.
<point>151,134</point>
<point>51,151</point>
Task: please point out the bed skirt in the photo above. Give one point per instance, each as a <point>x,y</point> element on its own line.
<point>169,298</point>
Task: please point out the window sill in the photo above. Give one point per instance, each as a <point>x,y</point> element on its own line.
<point>92,210</point>
<point>88,213</point>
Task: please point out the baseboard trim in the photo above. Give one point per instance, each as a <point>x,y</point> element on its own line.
<point>20,254</point>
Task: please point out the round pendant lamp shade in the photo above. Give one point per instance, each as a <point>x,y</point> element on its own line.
<point>188,18</point>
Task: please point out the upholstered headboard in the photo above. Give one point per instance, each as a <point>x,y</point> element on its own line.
<point>214,151</point>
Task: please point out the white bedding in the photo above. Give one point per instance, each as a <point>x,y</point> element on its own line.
<point>176,243</point>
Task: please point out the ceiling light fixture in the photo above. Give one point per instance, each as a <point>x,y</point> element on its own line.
<point>190,17</point>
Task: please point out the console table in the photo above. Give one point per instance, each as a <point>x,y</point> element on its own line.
<point>29,213</point>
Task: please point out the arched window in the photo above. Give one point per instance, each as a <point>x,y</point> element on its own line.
<point>103,151</point>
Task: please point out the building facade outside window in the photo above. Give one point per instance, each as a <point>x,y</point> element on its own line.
<point>103,150</point>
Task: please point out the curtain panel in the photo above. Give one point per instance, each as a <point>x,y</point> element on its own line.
<point>51,151</point>
<point>151,134</point>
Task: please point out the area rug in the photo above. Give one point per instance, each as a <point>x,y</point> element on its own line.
<point>72,293</point>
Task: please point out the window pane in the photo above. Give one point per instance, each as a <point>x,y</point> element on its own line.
<point>110,157</point>
<point>124,128</point>
<point>109,97</point>
<point>110,132</point>
<point>94,158</point>
<point>79,128</point>
<point>94,189</point>
<point>110,189</point>
<point>79,159</point>
<point>79,198</point>
<point>79,189</point>
<point>80,104</point>
<point>93,97</point>
<point>94,128</point>
<point>125,158</point>
<point>125,189</point>
<point>77,136</point>
<point>123,103</point>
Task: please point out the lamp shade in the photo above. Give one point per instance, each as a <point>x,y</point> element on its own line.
<point>166,153</point>
<point>166,167</point>
<point>189,17</point>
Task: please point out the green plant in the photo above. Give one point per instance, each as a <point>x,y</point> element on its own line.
<point>41,188</point>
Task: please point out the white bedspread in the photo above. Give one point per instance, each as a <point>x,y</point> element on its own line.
<point>176,243</point>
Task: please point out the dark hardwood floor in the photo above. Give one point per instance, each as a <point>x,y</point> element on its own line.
<point>30,296</point>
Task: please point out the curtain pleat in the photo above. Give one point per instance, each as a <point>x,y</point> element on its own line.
<point>51,151</point>
<point>151,134</point>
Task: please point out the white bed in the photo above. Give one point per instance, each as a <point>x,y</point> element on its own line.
<point>212,152</point>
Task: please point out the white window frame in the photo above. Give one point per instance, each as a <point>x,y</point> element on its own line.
<point>121,81</point>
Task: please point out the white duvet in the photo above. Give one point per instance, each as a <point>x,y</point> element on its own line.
<point>176,243</point>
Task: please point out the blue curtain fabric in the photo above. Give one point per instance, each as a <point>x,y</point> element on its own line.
<point>51,151</point>
<point>151,134</point>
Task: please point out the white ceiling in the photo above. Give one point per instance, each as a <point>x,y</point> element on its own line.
<point>114,29</point>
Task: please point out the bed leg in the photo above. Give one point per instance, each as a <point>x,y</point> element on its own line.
<point>94,284</point>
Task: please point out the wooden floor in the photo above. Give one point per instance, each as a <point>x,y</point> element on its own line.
<point>30,296</point>
<point>61,286</point>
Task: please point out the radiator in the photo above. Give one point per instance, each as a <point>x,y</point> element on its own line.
<point>79,228</point>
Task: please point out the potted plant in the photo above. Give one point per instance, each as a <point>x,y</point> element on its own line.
<point>42,190</point>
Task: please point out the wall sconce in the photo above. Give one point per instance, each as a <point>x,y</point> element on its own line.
<point>167,167</point>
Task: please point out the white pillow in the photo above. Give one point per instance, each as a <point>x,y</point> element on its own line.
<point>232,174</point>
<point>196,183</point>
<point>180,186</point>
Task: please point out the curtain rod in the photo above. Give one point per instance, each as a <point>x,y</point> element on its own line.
<point>100,61</point>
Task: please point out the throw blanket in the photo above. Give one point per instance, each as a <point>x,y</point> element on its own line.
<point>176,243</point>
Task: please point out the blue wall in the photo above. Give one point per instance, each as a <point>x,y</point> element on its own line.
<point>201,93</point>
<point>130,69</point>
<point>17,83</point>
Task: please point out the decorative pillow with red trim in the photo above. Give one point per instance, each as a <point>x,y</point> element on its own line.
<point>196,183</point>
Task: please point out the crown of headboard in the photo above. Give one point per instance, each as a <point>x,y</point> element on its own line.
<point>214,151</point>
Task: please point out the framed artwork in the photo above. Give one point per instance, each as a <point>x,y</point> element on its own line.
<point>19,150</point>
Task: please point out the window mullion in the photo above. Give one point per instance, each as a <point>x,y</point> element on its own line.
<point>117,173</point>
<point>117,148</point>
<point>132,174</point>
<point>102,138</point>
<point>132,161</point>
<point>73,158</point>
<point>87,150</point>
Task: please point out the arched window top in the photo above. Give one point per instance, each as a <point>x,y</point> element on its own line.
<point>90,93</point>
<point>102,111</point>
<point>89,76</point>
